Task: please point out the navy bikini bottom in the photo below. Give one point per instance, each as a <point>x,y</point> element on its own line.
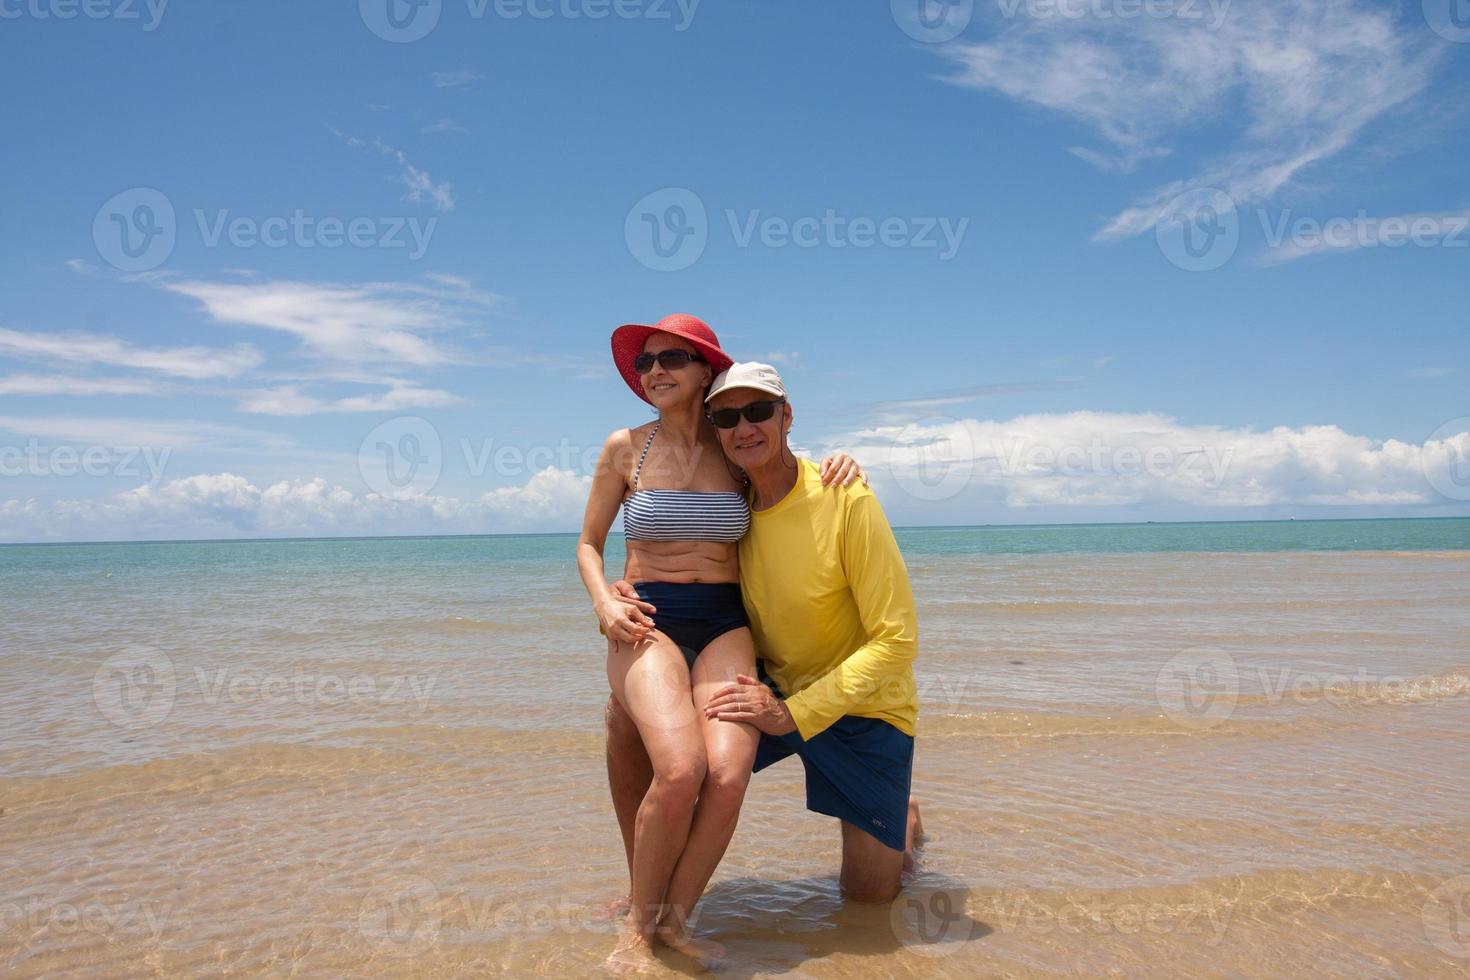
<point>693,614</point>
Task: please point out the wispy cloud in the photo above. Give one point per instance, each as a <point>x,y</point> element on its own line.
<point>420,185</point>
<point>453,79</point>
<point>1340,235</point>
<point>85,348</point>
<point>112,431</point>
<point>441,126</point>
<point>1309,76</point>
<point>1426,373</point>
<point>788,357</point>
<point>291,400</point>
<point>66,384</point>
<point>367,322</point>
<point>904,409</point>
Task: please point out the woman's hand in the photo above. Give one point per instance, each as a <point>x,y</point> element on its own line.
<point>623,621</point>
<point>840,468</point>
<point>625,591</point>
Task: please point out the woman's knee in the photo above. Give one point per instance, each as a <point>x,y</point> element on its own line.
<point>679,779</point>
<point>725,784</point>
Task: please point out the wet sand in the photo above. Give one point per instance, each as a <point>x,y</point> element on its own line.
<point>1194,764</point>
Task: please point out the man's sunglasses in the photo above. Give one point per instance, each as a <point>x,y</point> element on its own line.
<point>672,360</point>
<point>728,418</point>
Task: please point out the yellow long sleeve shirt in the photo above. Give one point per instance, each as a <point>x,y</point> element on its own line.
<point>830,606</point>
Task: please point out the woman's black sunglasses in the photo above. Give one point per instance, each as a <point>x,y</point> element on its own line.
<point>728,418</point>
<point>672,360</point>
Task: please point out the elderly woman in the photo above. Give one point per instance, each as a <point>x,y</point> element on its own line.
<point>684,512</point>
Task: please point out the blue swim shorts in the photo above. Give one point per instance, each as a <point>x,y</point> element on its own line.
<point>859,770</point>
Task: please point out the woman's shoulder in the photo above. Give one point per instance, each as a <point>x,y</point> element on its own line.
<point>619,438</point>
<point>621,447</point>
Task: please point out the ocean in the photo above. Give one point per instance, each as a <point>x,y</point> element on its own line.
<point>1209,749</point>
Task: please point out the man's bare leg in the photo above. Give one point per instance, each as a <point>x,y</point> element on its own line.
<point>871,871</point>
<point>629,772</point>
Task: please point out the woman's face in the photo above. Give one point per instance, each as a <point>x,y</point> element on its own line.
<point>669,388</point>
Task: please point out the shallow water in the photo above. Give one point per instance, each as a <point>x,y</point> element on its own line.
<point>383,758</point>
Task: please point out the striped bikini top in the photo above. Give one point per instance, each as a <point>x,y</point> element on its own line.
<point>683,515</point>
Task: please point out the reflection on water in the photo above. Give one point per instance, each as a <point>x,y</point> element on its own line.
<point>384,759</point>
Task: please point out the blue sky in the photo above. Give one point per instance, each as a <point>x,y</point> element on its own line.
<point>1053,261</point>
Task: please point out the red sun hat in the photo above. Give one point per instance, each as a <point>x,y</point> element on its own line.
<point>628,340</point>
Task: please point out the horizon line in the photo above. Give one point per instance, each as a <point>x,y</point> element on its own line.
<point>568,534</point>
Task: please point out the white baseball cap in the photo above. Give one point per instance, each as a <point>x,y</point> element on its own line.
<point>748,374</point>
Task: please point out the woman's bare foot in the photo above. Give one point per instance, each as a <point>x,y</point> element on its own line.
<point>706,951</point>
<point>632,955</point>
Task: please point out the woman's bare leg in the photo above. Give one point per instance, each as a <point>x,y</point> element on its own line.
<point>651,682</point>
<point>730,751</point>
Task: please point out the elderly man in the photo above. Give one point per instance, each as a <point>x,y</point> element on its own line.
<point>828,598</point>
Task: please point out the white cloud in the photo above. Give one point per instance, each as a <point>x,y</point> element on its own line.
<point>903,410</point>
<point>445,125</point>
<point>1339,235</point>
<point>421,186</point>
<point>289,400</point>
<point>368,322</point>
<point>84,348</point>
<point>452,79</point>
<point>65,384</point>
<point>1083,462</point>
<point>163,433</point>
<point>1112,459</point>
<point>1308,75</point>
<point>227,505</point>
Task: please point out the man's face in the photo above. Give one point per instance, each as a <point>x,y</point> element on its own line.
<point>751,445</point>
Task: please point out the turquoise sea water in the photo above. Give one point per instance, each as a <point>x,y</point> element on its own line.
<point>1252,733</point>
<point>1390,534</point>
